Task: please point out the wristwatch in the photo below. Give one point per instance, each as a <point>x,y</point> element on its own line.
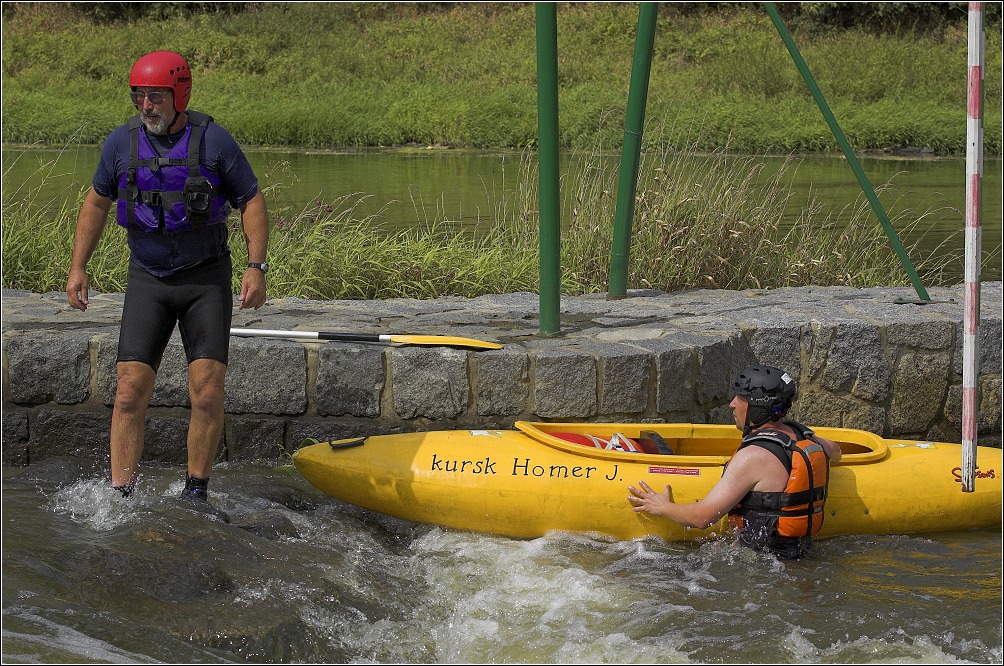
<point>263,266</point>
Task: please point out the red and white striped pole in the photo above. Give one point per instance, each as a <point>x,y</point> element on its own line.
<point>974,175</point>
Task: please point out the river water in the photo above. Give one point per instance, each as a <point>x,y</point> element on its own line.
<point>89,577</point>
<point>299,577</point>
<point>405,187</point>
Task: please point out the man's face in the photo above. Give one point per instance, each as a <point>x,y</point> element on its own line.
<point>156,108</point>
<point>739,407</point>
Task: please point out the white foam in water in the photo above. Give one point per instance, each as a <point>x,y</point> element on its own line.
<point>97,504</point>
<point>261,591</point>
<point>56,638</point>
<point>618,648</point>
<point>886,650</point>
<point>515,601</point>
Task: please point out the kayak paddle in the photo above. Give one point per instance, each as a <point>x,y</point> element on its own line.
<point>433,340</point>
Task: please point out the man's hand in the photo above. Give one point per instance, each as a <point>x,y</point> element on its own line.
<point>90,225</point>
<point>252,289</point>
<point>76,289</point>
<point>648,501</point>
<point>254,219</point>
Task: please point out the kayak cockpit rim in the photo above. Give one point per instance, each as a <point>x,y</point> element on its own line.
<point>692,443</point>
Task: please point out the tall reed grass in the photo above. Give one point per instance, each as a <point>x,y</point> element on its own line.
<point>37,239</point>
<point>709,220</point>
<point>715,220</point>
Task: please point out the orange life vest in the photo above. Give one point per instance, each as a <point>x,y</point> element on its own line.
<point>785,521</point>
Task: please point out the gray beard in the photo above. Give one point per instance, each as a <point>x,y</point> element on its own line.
<point>156,125</point>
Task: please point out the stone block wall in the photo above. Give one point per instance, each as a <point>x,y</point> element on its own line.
<point>894,373</point>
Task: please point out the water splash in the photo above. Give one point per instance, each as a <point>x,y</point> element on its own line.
<point>897,647</point>
<point>39,640</point>
<point>99,506</point>
<point>98,578</point>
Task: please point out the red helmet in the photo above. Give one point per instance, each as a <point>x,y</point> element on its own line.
<point>164,69</point>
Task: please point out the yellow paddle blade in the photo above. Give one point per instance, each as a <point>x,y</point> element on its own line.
<point>442,340</point>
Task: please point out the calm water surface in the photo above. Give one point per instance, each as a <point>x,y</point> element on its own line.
<point>298,577</point>
<point>408,187</point>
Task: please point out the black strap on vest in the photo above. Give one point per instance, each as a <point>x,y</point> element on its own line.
<point>199,121</point>
<point>775,441</point>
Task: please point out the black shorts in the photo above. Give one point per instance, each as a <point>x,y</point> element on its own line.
<point>200,300</point>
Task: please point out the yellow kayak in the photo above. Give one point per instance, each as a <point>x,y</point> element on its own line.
<point>528,481</point>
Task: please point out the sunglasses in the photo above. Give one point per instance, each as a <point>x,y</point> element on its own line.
<point>155,97</point>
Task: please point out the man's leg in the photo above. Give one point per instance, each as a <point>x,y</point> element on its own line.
<point>132,397</point>
<point>205,384</point>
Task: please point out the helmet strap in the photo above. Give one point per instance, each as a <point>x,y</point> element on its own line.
<point>764,415</point>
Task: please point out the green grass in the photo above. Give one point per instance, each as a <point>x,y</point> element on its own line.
<point>711,220</point>
<point>723,90</point>
<point>37,241</point>
<point>341,74</point>
<point>701,220</point>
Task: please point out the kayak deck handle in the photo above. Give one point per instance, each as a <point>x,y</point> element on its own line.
<point>352,443</point>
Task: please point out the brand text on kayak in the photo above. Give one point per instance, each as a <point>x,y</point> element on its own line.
<point>520,467</point>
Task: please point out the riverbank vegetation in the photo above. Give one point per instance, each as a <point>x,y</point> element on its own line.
<point>718,227</point>
<point>723,90</point>
<point>464,74</point>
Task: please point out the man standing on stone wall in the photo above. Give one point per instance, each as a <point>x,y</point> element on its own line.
<point>175,176</point>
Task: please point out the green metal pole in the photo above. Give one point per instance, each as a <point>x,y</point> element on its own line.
<point>848,152</point>
<point>620,249</point>
<point>547,151</point>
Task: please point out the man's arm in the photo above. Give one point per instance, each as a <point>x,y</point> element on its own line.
<point>254,219</point>
<point>743,473</point>
<point>832,449</point>
<point>90,225</point>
